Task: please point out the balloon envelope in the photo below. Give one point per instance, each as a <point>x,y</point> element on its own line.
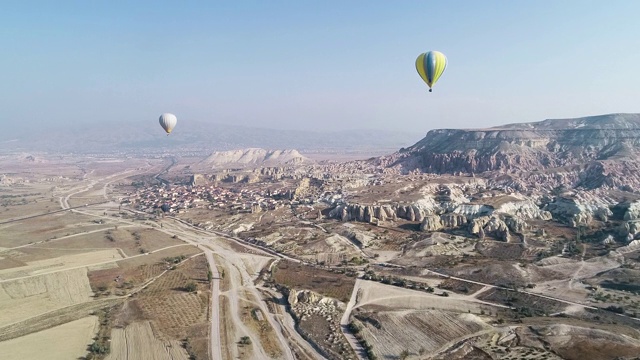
<point>430,66</point>
<point>168,122</point>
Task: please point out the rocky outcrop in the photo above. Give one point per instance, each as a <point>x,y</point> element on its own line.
<point>431,223</point>
<point>633,211</point>
<point>197,180</point>
<point>490,226</point>
<point>580,148</point>
<point>524,209</point>
<point>575,213</point>
<point>254,157</point>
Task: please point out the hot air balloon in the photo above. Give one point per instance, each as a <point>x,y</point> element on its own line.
<point>168,122</point>
<point>430,66</point>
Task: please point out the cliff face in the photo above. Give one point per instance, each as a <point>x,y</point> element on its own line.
<point>528,147</point>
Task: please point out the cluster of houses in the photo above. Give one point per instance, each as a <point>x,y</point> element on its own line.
<point>180,198</point>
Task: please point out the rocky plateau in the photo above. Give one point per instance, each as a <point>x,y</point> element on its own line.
<point>589,152</point>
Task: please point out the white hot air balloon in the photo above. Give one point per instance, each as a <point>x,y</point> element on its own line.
<point>168,122</point>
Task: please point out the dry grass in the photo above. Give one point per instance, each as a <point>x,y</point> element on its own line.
<point>227,329</point>
<point>36,295</point>
<point>173,309</point>
<point>131,240</point>
<point>47,343</point>
<point>391,332</point>
<point>46,227</point>
<point>224,279</point>
<point>118,280</point>
<point>250,317</point>
<point>21,200</point>
<point>158,256</point>
<point>137,341</point>
<point>299,276</point>
<point>460,287</point>
<point>61,263</point>
<point>528,305</point>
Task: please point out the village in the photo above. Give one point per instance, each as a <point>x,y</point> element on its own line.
<point>178,199</point>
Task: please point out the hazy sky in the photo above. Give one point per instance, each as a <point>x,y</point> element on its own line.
<point>317,64</point>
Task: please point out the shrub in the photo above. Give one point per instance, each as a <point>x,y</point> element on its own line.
<point>191,287</point>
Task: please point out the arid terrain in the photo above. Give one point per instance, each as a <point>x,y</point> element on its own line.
<point>239,256</point>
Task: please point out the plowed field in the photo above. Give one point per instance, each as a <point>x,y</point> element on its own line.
<point>137,342</point>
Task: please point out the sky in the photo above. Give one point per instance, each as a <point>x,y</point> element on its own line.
<point>316,65</point>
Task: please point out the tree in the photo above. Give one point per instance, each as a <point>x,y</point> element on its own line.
<point>404,354</point>
<point>191,287</point>
<point>98,348</point>
<point>209,276</point>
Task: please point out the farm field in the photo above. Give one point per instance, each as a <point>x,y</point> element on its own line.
<point>47,344</point>
<point>137,341</point>
<point>419,332</point>
<point>64,262</point>
<point>130,239</point>
<point>299,276</point>
<point>36,295</point>
<point>175,312</point>
<point>44,228</point>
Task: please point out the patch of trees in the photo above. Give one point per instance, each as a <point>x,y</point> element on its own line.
<point>175,259</point>
<point>356,331</point>
<point>368,319</point>
<point>615,309</point>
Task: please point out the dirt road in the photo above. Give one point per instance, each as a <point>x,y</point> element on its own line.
<point>214,334</point>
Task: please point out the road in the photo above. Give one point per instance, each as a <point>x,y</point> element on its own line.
<point>240,279</point>
<point>206,240</point>
<point>50,213</point>
<point>344,323</point>
<point>215,242</point>
<point>214,334</point>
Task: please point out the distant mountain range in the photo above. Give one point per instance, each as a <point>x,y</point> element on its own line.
<point>195,138</point>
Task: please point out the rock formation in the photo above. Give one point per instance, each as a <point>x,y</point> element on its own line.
<point>254,157</point>
<point>590,152</point>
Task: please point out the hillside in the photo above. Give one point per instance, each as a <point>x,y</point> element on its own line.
<point>540,145</point>
<point>253,157</point>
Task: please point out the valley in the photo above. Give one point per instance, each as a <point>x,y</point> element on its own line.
<point>253,254</point>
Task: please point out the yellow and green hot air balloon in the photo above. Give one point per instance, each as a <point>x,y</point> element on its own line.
<point>430,66</point>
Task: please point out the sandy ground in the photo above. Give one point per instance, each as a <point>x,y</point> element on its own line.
<point>136,342</point>
<point>47,344</point>
<point>374,293</point>
<point>35,295</point>
<point>570,287</point>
